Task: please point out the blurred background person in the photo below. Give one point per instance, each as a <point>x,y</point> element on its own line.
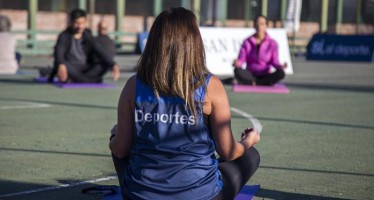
<point>260,53</point>
<point>75,51</point>
<point>8,57</point>
<point>105,42</point>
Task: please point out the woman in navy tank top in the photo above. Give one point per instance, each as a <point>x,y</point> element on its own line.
<point>173,115</point>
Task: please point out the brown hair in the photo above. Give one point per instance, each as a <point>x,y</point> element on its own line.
<point>261,16</point>
<point>173,62</point>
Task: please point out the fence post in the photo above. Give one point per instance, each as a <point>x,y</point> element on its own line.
<point>31,24</point>
<point>185,4</point>
<point>157,7</point>
<point>324,15</point>
<point>339,16</point>
<point>82,4</point>
<point>120,12</point>
<point>283,11</point>
<point>264,8</point>
<point>247,12</point>
<point>358,15</point>
<point>196,10</point>
<point>223,12</point>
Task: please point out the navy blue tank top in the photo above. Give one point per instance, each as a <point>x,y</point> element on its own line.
<point>172,156</point>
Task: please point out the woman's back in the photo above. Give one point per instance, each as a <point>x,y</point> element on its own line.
<point>165,146</point>
<point>172,153</point>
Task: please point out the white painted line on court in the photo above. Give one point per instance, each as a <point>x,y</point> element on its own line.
<point>57,187</point>
<point>256,123</point>
<point>25,105</point>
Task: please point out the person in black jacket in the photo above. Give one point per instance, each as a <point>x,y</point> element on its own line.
<point>104,41</point>
<point>75,51</point>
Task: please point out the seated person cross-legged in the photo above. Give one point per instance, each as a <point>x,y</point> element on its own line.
<point>260,52</point>
<point>75,51</point>
<point>172,116</point>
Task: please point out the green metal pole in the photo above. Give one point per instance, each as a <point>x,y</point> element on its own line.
<point>223,12</point>
<point>157,7</point>
<point>283,11</point>
<point>358,15</point>
<point>120,12</point>
<point>196,9</point>
<point>185,4</point>
<point>82,4</point>
<point>324,16</point>
<point>57,5</point>
<point>31,22</point>
<point>247,12</point>
<point>264,7</point>
<point>339,16</point>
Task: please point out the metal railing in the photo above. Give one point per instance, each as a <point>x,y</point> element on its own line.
<point>29,44</point>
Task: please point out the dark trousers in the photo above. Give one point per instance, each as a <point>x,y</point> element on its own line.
<point>246,77</point>
<point>91,74</point>
<point>235,174</point>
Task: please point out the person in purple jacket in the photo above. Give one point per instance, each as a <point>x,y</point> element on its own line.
<point>260,52</point>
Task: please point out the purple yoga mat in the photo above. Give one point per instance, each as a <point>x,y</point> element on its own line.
<point>246,193</point>
<point>75,85</point>
<point>84,85</point>
<point>43,80</point>
<point>279,88</point>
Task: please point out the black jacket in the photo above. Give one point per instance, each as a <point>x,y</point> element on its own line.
<point>91,48</point>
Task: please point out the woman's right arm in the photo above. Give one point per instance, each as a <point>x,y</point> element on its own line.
<point>220,123</point>
<point>243,53</point>
<point>121,143</point>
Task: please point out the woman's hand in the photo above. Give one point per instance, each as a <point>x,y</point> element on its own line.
<point>62,73</point>
<point>236,63</point>
<point>250,137</point>
<point>284,66</point>
<point>116,72</point>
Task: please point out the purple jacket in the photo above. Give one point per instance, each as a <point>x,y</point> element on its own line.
<point>259,61</point>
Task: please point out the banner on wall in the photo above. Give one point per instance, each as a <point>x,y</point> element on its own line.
<point>222,46</point>
<point>341,47</point>
<point>292,22</point>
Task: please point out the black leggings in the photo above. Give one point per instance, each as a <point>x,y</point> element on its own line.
<point>235,174</point>
<point>93,74</point>
<point>246,77</point>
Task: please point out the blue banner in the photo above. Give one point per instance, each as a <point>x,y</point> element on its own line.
<point>341,47</point>
<point>142,40</point>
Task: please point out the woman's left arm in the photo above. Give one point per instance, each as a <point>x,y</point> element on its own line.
<point>121,142</point>
<point>274,61</point>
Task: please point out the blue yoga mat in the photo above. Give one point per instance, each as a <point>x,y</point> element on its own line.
<point>246,193</point>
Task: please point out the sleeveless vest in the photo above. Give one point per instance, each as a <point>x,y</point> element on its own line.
<point>172,156</point>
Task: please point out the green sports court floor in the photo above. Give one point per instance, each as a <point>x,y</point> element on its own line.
<point>317,142</point>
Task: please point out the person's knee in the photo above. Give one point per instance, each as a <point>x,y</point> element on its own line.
<point>237,71</point>
<point>255,156</point>
<point>252,158</point>
<point>280,74</point>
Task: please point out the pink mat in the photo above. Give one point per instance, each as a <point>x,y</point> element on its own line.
<point>278,88</point>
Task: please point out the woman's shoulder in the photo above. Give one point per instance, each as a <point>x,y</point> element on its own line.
<point>270,39</point>
<point>215,87</point>
<point>129,89</point>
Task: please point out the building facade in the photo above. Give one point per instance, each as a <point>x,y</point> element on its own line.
<point>42,19</point>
